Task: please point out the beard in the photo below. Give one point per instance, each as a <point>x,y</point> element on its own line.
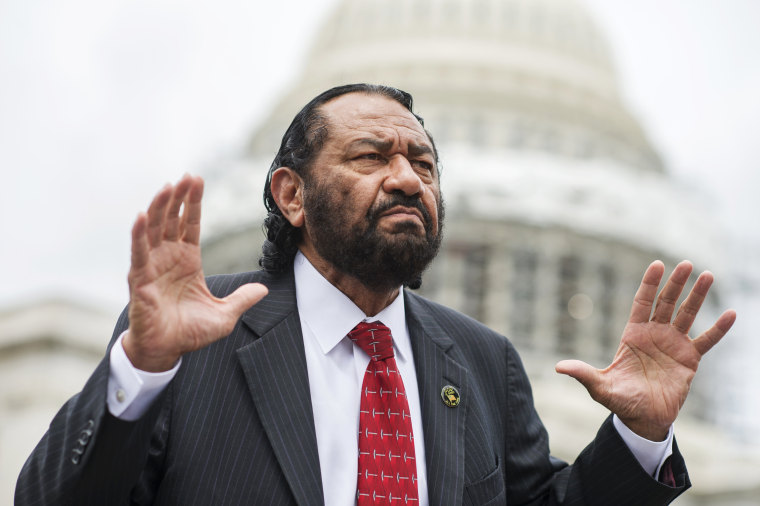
<point>379,260</point>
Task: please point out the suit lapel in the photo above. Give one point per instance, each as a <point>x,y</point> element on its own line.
<point>275,369</point>
<point>444,427</point>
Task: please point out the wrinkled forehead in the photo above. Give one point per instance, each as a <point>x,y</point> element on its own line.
<point>357,114</point>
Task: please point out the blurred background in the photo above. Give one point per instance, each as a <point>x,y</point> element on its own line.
<point>580,140</point>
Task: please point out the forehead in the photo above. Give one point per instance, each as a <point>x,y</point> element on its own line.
<point>355,115</point>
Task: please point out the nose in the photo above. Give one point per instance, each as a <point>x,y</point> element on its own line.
<point>402,177</point>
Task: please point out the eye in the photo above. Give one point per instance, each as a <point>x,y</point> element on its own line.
<point>369,156</point>
<point>423,164</point>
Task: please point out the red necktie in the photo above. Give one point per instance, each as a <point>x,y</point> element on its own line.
<point>387,467</point>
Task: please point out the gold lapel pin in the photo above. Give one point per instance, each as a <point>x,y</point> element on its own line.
<point>450,396</point>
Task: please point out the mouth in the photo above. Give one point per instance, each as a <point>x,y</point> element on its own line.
<point>403,212</point>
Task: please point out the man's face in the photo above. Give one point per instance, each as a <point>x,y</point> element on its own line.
<point>372,200</point>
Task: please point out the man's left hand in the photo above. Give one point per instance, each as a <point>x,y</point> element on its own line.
<point>648,381</point>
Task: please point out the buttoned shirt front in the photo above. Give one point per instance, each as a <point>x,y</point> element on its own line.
<point>336,368</point>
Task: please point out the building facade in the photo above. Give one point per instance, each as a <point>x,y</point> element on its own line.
<point>556,202</point>
<point>556,199</point>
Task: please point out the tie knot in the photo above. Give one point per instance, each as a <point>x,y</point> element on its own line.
<point>374,338</point>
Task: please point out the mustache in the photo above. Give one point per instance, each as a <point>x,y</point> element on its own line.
<point>373,214</point>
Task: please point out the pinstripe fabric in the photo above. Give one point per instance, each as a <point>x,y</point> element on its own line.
<point>493,448</point>
<point>236,426</point>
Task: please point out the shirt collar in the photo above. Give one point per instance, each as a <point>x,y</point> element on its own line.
<point>330,314</point>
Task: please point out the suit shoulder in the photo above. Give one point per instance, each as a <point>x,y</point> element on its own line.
<point>458,325</point>
<point>222,285</point>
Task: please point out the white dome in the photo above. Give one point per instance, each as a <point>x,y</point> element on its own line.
<point>517,94</point>
<point>553,191</point>
<point>525,74</point>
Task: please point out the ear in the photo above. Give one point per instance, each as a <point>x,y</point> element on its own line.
<point>287,190</point>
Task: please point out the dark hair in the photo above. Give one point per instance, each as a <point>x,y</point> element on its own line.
<point>301,143</point>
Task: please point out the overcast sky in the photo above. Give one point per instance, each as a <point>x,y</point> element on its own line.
<point>103,101</point>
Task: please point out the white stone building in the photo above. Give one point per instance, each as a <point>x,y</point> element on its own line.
<point>556,201</point>
<point>48,349</point>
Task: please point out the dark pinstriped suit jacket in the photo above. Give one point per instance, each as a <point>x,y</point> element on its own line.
<point>235,426</point>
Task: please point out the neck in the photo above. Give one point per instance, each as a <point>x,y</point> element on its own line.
<point>369,299</point>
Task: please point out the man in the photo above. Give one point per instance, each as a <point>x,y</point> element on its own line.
<point>251,388</point>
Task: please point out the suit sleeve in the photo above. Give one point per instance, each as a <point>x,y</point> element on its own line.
<point>605,473</point>
<point>87,456</point>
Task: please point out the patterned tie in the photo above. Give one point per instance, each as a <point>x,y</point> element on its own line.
<point>387,467</point>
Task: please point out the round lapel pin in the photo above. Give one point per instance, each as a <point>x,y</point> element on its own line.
<point>450,396</point>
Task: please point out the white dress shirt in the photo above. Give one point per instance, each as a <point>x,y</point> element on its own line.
<point>336,369</point>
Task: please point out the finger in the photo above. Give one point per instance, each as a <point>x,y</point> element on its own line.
<point>666,301</point>
<point>644,298</point>
<point>690,307</point>
<point>191,217</point>
<point>140,247</point>
<point>714,334</point>
<point>587,375</point>
<point>171,230</point>
<point>157,215</point>
<point>244,297</point>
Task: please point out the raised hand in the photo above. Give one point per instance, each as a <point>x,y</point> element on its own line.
<point>648,381</point>
<point>171,310</point>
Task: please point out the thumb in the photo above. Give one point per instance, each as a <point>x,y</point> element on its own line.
<point>245,297</point>
<point>588,376</point>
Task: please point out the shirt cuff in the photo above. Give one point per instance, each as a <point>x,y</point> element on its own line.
<point>650,454</point>
<point>130,390</point>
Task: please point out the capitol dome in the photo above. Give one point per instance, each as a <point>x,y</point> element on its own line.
<point>556,200</point>
<point>522,74</point>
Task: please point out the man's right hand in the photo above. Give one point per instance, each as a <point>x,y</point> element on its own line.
<point>171,310</point>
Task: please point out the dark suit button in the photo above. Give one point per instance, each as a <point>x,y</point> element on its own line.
<point>84,436</point>
<point>76,455</point>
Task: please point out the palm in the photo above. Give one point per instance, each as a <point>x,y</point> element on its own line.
<point>169,296</point>
<point>171,309</point>
<point>648,380</point>
<point>651,373</point>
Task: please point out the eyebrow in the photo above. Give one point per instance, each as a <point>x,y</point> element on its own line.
<point>375,143</point>
<point>419,149</point>
<point>414,149</point>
